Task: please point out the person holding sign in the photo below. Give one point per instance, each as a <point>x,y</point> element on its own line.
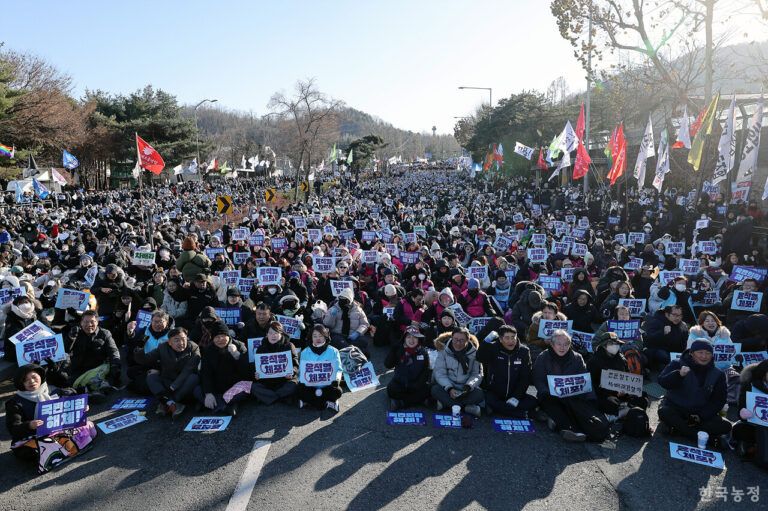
<point>476,303</point>
<point>50,450</point>
<point>752,439</point>
<point>348,323</point>
<point>676,292</point>
<point>271,390</point>
<point>22,313</point>
<point>223,363</point>
<point>458,374</point>
<point>696,392</point>
<point>410,383</point>
<point>173,377</point>
<point>576,417</point>
<point>507,375</point>
<point>94,358</point>
<point>737,309</point>
<point>550,311</point>
<point>318,355</point>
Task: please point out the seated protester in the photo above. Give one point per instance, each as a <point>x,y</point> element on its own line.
<point>222,365</point>
<point>247,318</point>
<point>530,301</point>
<point>582,312</point>
<point>751,439</point>
<point>387,330</point>
<point>172,377</point>
<point>156,289</point>
<point>676,292</point>
<point>751,332</point>
<point>536,344</point>
<point>608,356</point>
<point>621,289</point>
<point>271,390</point>
<point>696,392</point>
<point>612,274</point>
<point>458,281</point>
<point>410,309</point>
<point>289,306</point>
<point>201,295</point>
<point>733,316</point>
<point>501,291</point>
<point>446,324</point>
<point>20,410</point>
<point>665,333</point>
<point>22,313</point>
<point>434,311</point>
<point>457,373</point>
<point>476,303</point>
<point>642,281</point>
<point>709,328</point>
<point>94,358</point>
<point>145,339</point>
<point>263,318</point>
<point>578,417</point>
<point>175,299</point>
<point>580,282</point>
<point>200,332</point>
<point>320,350</point>
<point>507,374</point>
<point>348,323</point>
<point>705,284</point>
<point>410,383</point>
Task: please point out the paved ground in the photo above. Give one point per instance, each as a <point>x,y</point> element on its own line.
<point>354,460</point>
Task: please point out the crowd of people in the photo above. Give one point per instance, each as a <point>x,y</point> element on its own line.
<point>456,280</point>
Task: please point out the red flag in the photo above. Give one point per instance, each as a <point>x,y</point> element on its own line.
<point>619,156</point>
<point>582,162</point>
<point>490,157</point>
<point>581,124</point>
<point>541,163</point>
<point>149,159</point>
<point>697,123</point>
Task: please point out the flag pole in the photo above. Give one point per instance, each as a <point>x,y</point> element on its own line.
<point>141,193</point>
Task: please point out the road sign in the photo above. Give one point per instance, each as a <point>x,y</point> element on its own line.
<point>269,194</point>
<point>304,186</point>
<point>224,204</point>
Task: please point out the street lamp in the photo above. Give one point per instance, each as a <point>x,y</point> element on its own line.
<point>197,128</point>
<point>490,95</point>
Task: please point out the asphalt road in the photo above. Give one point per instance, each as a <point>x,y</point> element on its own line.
<point>354,460</point>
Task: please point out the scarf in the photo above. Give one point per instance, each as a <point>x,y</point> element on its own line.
<point>37,396</point>
<point>409,353</point>
<point>318,350</point>
<point>23,315</point>
<point>345,319</point>
<point>462,358</point>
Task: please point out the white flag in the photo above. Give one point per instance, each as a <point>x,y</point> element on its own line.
<point>320,167</point>
<point>178,169</point>
<point>567,140</point>
<point>646,151</point>
<point>564,163</point>
<point>662,162</point>
<point>192,169</point>
<point>751,146</point>
<point>684,133</point>
<point>523,150</point>
<point>242,162</point>
<point>726,149</point>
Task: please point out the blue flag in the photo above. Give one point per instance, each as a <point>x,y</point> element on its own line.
<point>69,161</point>
<point>40,189</point>
<point>19,194</point>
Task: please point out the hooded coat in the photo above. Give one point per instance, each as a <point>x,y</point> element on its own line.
<point>449,372</point>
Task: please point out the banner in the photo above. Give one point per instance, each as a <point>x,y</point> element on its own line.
<point>406,419</point>
<point>726,148</point>
<point>268,275</point>
<point>72,299</point>
<point>230,315</point>
<point>513,426</point>
<point>636,306</point>
<point>626,330</point>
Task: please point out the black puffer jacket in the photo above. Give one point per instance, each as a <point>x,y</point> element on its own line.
<point>90,351</point>
<point>219,370</point>
<point>507,373</point>
<point>411,371</point>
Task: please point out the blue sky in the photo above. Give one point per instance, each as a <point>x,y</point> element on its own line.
<point>399,60</point>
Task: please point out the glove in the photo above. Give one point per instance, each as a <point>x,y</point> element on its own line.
<point>240,325</point>
<point>232,349</point>
<point>513,402</point>
<point>745,414</point>
<point>354,336</point>
<point>210,401</point>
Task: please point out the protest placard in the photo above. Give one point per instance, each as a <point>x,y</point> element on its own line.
<point>445,421</point>
<point>707,247</point>
<point>548,326</point>
<point>291,326</point>
<point>141,403</point>
<point>230,315</point>
<point>747,301</point>
<point>636,306</point>
<point>40,348</point>
<point>36,330</point>
<point>72,299</point>
<point>253,345</point>
<point>513,426</point>
<point>752,357</point>
<point>245,285</point>
<point>409,257</point>
<point>674,248</point>
<point>240,257</point>
<point>537,255</point>
<point>363,378</point>
<point>666,276</point>
<point>230,277</point>
<point>477,272</point>
<point>739,273</point>
<point>689,266</point>
<point>274,365</point>
<point>323,264</point>
<point>211,252</point>
<point>636,237</point>
<point>143,258</point>
<point>201,424</point>
<point>240,234</point>
<point>757,403</point>
<point>337,286</point>
<point>279,244</point>
<point>579,249</point>
<point>539,240</point>
<point>582,340</point>
<point>7,295</point>
<point>121,422</point>
<point>633,264</point>
<point>62,413</point>
<point>475,325</point>
<point>550,283</point>
<point>268,275</point>
<point>569,385</point>
<point>317,374</point>
<point>462,317</point>
<point>695,455</point>
<point>724,353</point>
<point>620,381</point>
<point>626,330</point>
<point>256,239</point>
<point>406,419</point>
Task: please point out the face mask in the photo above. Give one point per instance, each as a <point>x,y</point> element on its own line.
<point>680,287</point>
<point>26,308</point>
<point>422,276</point>
<point>612,349</point>
<point>56,271</point>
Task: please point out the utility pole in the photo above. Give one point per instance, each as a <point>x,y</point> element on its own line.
<point>589,96</point>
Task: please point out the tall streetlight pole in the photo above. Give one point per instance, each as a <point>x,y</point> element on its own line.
<point>197,128</point>
<point>589,97</point>
<point>490,96</point>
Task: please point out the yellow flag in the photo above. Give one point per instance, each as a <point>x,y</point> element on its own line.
<point>697,146</point>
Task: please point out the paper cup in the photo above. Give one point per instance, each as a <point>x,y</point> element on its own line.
<point>703,437</point>
<point>456,410</point>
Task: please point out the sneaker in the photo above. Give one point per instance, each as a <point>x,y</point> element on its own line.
<point>473,410</point>
<point>231,409</point>
<point>301,403</point>
<point>161,409</point>
<point>332,405</point>
<point>572,436</point>
<point>179,409</point>
<point>551,425</point>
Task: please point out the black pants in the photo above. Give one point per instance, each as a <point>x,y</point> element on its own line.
<point>473,397</point>
<point>414,395</point>
<point>612,408</point>
<point>363,342</point>
<point>678,418</point>
<point>161,388</point>
<point>327,393</point>
<point>268,395</point>
<point>501,407</point>
<point>576,414</point>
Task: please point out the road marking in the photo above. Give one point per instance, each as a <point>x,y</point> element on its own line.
<point>244,488</point>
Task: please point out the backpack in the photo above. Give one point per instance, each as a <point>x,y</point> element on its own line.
<point>636,423</point>
<point>352,359</point>
<point>733,382</point>
<point>634,361</point>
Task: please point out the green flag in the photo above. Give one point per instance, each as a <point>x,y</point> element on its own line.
<point>554,152</point>
<point>350,159</point>
<point>697,146</point>
<point>333,153</point>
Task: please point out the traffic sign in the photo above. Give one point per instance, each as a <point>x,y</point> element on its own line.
<point>269,194</point>
<point>225,205</point>
<point>304,186</point>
